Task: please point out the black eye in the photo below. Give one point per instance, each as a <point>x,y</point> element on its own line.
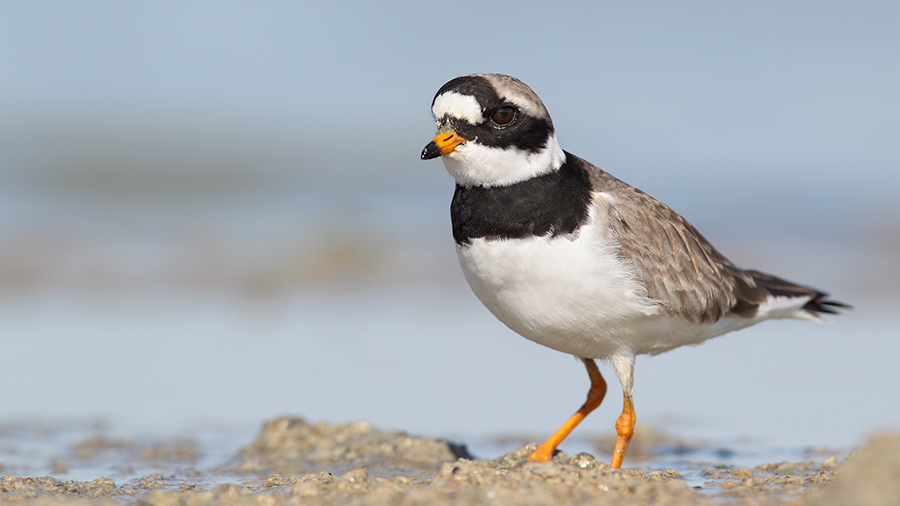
<point>503,115</point>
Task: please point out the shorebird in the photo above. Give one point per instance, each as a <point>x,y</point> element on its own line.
<point>572,258</point>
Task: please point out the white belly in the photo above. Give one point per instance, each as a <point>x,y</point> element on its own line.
<point>575,295</point>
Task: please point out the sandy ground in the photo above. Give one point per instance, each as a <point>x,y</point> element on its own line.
<point>293,461</point>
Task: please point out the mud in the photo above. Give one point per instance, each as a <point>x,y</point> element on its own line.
<point>292,446</point>
<point>295,462</point>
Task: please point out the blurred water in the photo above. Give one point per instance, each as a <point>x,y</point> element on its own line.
<point>156,316</point>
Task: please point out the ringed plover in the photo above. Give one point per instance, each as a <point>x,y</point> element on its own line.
<point>572,258</point>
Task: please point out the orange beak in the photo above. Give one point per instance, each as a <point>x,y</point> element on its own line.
<point>443,143</point>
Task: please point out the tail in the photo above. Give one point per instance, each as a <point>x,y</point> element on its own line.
<point>821,304</point>
<point>817,303</point>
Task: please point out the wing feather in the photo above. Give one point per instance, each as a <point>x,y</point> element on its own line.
<point>681,270</point>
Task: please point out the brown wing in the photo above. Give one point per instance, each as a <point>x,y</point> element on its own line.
<point>681,270</point>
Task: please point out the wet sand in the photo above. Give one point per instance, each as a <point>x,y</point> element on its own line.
<point>293,461</point>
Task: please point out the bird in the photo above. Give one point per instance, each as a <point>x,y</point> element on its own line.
<point>572,258</point>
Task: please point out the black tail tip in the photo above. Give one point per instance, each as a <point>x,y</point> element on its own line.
<point>821,304</point>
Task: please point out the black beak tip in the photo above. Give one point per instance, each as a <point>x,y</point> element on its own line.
<point>431,151</point>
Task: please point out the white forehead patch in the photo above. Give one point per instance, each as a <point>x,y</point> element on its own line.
<point>457,105</point>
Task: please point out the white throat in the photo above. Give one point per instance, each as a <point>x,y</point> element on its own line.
<point>473,164</point>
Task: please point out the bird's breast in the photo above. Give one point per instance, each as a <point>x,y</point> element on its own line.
<point>570,292</point>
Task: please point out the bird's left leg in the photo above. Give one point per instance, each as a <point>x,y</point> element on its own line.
<point>624,366</point>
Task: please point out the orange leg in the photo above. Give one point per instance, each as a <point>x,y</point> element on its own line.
<point>594,398</point>
<point>624,430</point>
